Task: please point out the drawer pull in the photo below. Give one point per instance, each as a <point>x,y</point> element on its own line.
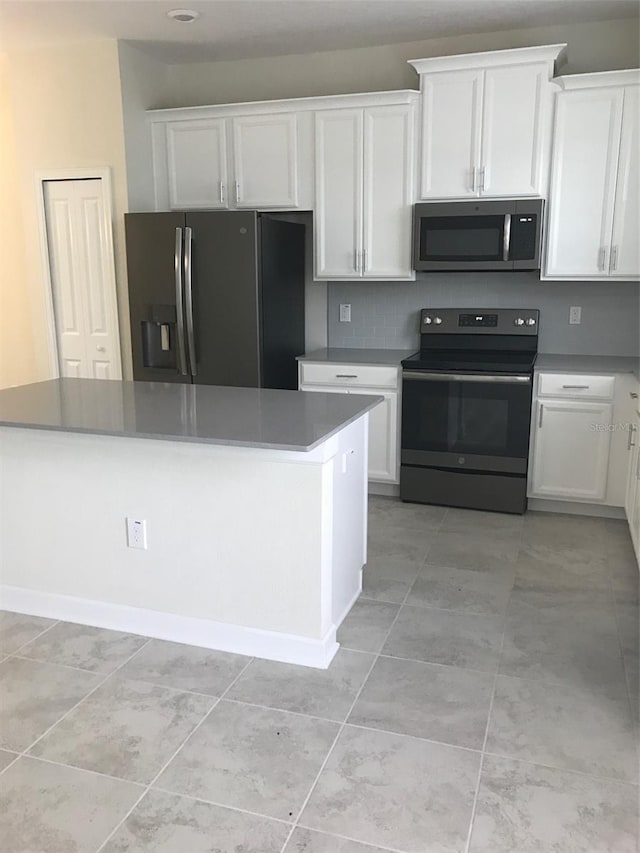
<point>633,395</point>
<point>631,443</point>
<point>577,387</point>
<point>346,375</point>
<point>541,414</point>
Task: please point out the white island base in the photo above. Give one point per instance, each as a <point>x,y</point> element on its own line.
<point>250,550</point>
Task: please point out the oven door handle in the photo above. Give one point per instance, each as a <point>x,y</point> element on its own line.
<point>465,377</point>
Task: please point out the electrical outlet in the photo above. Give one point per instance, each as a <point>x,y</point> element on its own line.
<point>575,315</point>
<point>345,313</point>
<point>136,533</point>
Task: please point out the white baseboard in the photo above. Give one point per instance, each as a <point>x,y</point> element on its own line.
<point>575,508</point>
<point>287,648</point>
<point>390,490</point>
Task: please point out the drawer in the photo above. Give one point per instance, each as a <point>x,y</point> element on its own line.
<point>576,385</point>
<point>345,375</point>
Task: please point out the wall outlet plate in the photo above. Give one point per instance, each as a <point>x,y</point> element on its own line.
<point>575,315</point>
<point>137,533</point>
<point>345,313</point>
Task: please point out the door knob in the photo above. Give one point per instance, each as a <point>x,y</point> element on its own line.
<point>101,349</point>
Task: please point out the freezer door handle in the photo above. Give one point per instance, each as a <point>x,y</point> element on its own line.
<point>188,299</point>
<point>182,358</point>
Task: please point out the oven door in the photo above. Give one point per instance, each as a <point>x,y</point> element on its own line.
<point>466,421</point>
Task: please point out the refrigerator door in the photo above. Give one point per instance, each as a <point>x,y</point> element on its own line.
<point>156,308</point>
<point>282,252</point>
<point>221,275</point>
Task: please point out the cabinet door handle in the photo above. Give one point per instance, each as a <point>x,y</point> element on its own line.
<point>630,442</point>
<point>364,260</point>
<point>602,258</point>
<point>474,179</point>
<point>482,173</point>
<point>356,258</point>
<point>614,258</point>
<point>237,191</point>
<point>346,375</point>
<point>578,387</point>
<point>633,395</point>
<point>221,192</point>
<point>540,415</point>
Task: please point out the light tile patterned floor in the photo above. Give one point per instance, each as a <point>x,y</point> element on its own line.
<point>484,700</point>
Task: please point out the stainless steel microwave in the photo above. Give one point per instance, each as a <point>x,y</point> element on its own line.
<point>477,235</point>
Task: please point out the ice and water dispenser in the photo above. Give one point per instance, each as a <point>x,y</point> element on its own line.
<point>159,337</point>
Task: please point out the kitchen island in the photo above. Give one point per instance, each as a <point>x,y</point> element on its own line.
<point>254,503</point>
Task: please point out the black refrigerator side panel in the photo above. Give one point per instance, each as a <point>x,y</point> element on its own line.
<point>282,250</point>
<point>151,242</point>
<point>225,297</point>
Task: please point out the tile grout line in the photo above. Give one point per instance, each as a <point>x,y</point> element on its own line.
<point>86,696</point>
<point>343,725</point>
<point>216,702</point>
<point>486,733</point>
<point>33,639</point>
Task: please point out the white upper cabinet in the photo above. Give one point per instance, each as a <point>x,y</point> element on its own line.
<point>364,191</point>
<point>486,122</point>
<point>451,105</point>
<point>257,156</point>
<point>625,255</point>
<point>388,191</point>
<point>265,160</point>
<point>197,163</point>
<point>338,220</point>
<point>592,223</point>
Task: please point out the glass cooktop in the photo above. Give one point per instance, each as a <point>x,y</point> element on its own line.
<point>469,361</point>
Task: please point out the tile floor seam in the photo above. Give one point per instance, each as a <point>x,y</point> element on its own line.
<point>37,637</point>
<point>486,736</point>
<point>170,759</point>
<point>429,606</point>
<point>580,773</point>
<point>342,727</point>
<point>283,710</point>
<point>376,846</point>
<point>65,665</point>
<point>80,701</point>
<point>80,769</point>
<point>359,726</point>
<point>607,692</point>
<point>219,805</point>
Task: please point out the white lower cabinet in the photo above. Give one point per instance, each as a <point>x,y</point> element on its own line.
<point>632,497</point>
<point>384,431</point>
<point>571,449</point>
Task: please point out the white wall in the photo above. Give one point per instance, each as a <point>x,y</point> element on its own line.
<point>592,47</point>
<point>143,81</point>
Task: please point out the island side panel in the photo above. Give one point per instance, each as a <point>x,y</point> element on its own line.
<point>234,535</point>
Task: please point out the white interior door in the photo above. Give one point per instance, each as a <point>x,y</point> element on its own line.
<point>82,279</point>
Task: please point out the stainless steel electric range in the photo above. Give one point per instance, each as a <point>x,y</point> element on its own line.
<point>466,409</point>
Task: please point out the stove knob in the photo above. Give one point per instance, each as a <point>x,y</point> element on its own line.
<point>531,321</point>
<point>438,321</point>
<point>518,322</point>
<point>427,321</point>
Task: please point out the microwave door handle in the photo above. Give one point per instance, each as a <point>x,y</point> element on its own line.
<point>506,237</point>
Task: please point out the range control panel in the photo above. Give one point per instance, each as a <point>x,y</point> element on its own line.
<point>492,321</point>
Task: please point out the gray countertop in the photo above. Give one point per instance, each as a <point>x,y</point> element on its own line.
<point>559,363</point>
<point>344,355</point>
<point>241,417</point>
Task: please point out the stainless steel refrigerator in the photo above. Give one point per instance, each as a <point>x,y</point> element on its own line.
<point>216,297</point>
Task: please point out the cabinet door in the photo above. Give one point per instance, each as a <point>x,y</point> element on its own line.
<point>265,158</point>
<point>197,163</point>
<point>388,191</point>
<point>338,214</point>
<point>514,130</point>
<point>587,136</point>
<point>632,499</point>
<point>571,449</point>
<point>451,107</point>
<point>383,437</point>
<point>625,251</point>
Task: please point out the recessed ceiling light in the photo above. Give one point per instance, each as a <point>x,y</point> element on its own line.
<point>183,16</point>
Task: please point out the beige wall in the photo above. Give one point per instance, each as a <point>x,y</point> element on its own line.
<point>17,358</point>
<point>592,47</point>
<point>67,115</point>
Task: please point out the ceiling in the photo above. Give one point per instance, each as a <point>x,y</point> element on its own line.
<point>235,29</point>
